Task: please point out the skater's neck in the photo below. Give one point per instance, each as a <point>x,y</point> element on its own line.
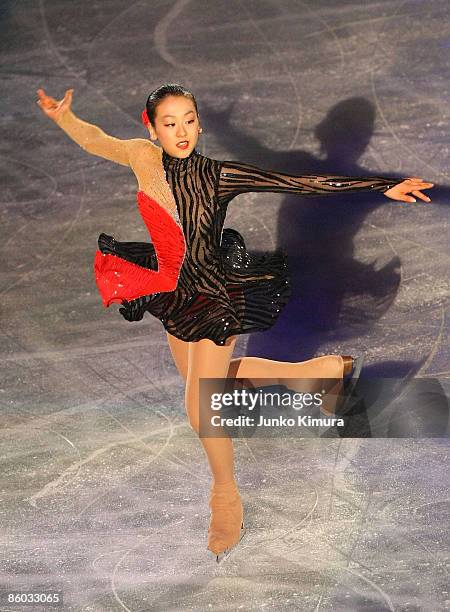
<point>179,163</point>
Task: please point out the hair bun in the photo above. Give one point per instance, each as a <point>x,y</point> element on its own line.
<point>145,119</point>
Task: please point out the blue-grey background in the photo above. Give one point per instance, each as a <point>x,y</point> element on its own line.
<point>104,486</point>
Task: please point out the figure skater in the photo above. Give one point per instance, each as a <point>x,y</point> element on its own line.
<point>197,278</point>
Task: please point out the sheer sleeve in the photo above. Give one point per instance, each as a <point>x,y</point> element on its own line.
<point>239,177</point>
<point>94,140</point>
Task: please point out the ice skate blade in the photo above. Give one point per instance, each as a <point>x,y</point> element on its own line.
<point>220,557</point>
<point>351,384</point>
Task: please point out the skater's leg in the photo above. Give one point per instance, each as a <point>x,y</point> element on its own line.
<point>267,372</point>
<point>209,360</point>
<point>320,374</point>
<point>261,371</point>
<point>180,353</point>
<point>304,376</point>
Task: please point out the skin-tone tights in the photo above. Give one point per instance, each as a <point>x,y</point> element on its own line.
<point>205,359</point>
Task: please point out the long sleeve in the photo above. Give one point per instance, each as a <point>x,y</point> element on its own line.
<point>94,140</point>
<point>239,177</point>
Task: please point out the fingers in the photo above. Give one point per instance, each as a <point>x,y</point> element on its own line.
<point>68,97</point>
<point>49,102</point>
<point>418,194</point>
<point>416,182</point>
<point>413,185</point>
<point>42,95</point>
<point>414,179</point>
<point>45,101</point>
<point>422,196</point>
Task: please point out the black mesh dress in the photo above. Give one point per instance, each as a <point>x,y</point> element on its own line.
<point>222,289</point>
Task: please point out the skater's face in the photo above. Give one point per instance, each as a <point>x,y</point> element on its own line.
<point>176,125</point>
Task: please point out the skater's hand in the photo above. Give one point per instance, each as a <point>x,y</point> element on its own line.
<point>412,184</point>
<point>54,109</point>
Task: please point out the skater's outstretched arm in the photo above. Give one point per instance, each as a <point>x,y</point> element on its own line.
<point>89,137</point>
<point>239,177</point>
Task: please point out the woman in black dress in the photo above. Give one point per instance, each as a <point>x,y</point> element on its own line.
<point>197,278</point>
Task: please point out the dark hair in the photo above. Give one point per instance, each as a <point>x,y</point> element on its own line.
<point>169,89</point>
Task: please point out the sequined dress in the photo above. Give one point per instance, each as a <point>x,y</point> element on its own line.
<point>197,277</point>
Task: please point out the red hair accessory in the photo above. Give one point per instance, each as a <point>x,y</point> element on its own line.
<point>145,119</point>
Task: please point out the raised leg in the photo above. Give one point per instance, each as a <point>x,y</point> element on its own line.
<point>321,374</point>
<point>317,374</point>
<point>260,371</point>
